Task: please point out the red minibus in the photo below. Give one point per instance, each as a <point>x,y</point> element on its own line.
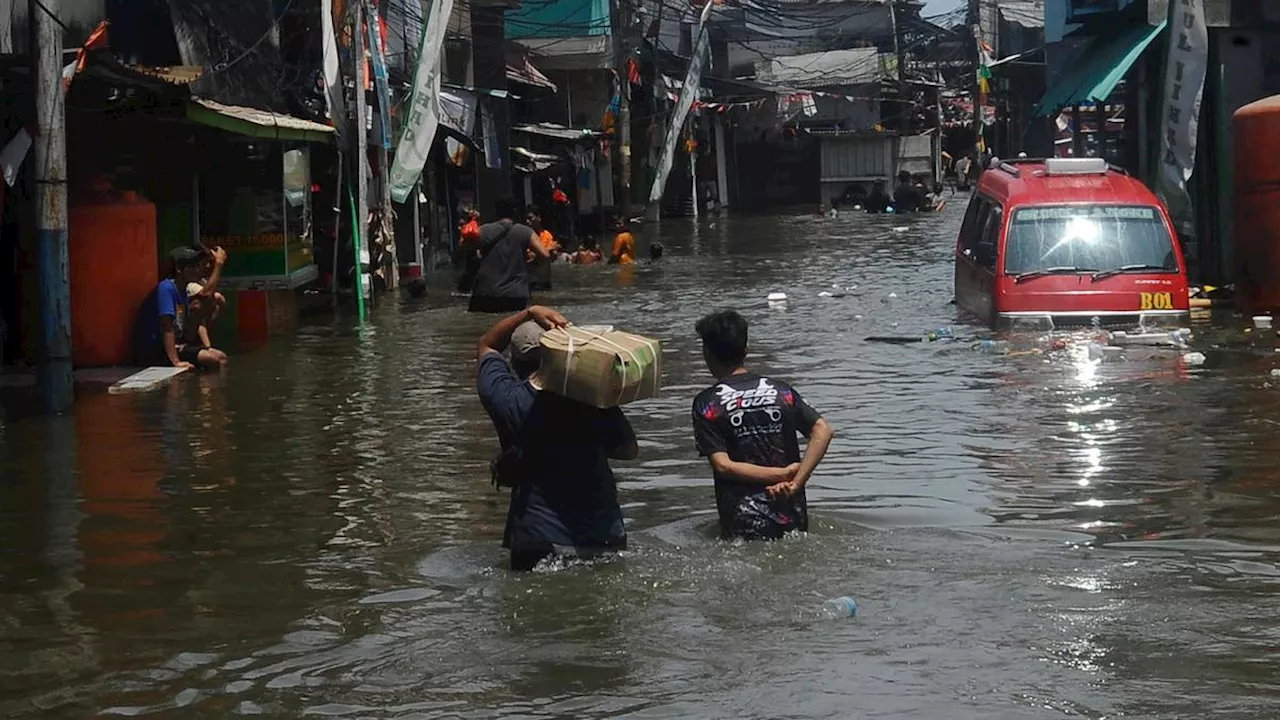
<point>1068,241</point>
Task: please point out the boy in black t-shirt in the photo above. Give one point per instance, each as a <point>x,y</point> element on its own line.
<point>747,426</point>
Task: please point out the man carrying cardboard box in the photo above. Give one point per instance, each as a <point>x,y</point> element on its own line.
<point>555,450</point>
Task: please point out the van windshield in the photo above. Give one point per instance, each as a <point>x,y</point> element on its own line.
<point>1090,238</point>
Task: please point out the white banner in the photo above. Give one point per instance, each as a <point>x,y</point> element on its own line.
<point>332,79</point>
<point>688,94</point>
<point>424,106</point>
<point>1180,119</point>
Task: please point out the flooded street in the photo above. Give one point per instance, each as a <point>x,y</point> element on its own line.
<point>314,533</point>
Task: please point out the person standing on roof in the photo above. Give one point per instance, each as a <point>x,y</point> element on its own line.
<point>502,280</point>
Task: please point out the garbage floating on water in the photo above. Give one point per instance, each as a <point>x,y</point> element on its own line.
<point>825,294</point>
<point>1177,338</point>
<point>893,295</point>
<point>777,297</point>
<point>841,607</point>
<point>1262,322</point>
<point>901,228</point>
<point>1275,373</point>
<point>1194,359</point>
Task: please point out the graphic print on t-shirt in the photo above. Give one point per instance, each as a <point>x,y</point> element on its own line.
<point>755,420</point>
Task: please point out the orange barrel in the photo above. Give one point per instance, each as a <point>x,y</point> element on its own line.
<point>112,256</point>
<point>1257,207</point>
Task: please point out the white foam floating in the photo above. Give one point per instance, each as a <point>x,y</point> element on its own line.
<point>148,379</point>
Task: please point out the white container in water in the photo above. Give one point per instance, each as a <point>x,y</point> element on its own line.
<point>841,607</point>
<point>1193,359</point>
<point>777,297</point>
<point>1262,322</point>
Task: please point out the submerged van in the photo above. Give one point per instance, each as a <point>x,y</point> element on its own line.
<point>1068,241</point>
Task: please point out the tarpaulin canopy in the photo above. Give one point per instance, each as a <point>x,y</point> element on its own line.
<point>520,69</point>
<point>1104,63</point>
<point>559,132</point>
<point>529,161</point>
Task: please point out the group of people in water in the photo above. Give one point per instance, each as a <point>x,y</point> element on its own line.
<point>910,195</point>
<point>506,260</point>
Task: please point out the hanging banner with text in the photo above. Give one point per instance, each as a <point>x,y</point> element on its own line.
<point>423,118</point>
<point>1180,112</point>
<point>687,95</point>
<point>332,78</point>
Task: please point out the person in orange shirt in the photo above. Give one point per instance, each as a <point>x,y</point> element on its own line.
<point>624,244</point>
<point>540,270</point>
<point>470,249</point>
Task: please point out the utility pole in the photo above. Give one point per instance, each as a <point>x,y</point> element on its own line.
<point>362,155</point>
<point>622,43</point>
<point>975,56</point>
<point>906,107</point>
<point>57,379</point>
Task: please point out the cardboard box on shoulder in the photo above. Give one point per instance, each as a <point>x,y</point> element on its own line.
<point>600,369</point>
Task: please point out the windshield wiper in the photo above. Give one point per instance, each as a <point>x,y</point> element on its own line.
<point>1128,269</point>
<point>1051,271</point>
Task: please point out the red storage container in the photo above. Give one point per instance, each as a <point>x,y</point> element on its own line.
<point>1257,220</point>
<point>113,267</point>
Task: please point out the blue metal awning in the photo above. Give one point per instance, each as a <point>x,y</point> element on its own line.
<point>1103,64</point>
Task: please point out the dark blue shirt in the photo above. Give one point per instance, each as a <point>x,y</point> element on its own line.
<point>167,299</point>
<point>755,420</point>
<point>566,495</point>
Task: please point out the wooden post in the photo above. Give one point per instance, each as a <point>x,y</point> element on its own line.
<point>362,159</point>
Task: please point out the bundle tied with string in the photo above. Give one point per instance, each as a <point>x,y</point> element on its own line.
<point>603,369</point>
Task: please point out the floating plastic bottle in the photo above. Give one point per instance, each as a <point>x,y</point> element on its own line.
<point>994,347</point>
<point>841,607</point>
<point>943,333</point>
<point>1194,359</point>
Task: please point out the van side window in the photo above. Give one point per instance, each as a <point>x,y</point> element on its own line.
<point>970,227</point>
<point>975,221</point>
<point>989,240</point>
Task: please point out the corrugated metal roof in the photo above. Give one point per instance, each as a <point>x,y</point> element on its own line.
<point>1027,13</point>
<point>263,118</point>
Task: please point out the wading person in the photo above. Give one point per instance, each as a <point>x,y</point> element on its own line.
<point>502,280</point>
<point>747,426</point>
<point>540,268</point>
<point>469,247</point>
<point>624,244</point>
<point>555,451</point>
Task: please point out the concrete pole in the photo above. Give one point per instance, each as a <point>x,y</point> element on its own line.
<point>56,377</point>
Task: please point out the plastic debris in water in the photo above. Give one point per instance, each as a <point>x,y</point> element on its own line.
<point>902,228</point>
<point>825,294</point>
<point>841,607</point>
<point>777,297</point>
<point>893,295</point>
<point>1194,359</point>
<point>1275,373</point>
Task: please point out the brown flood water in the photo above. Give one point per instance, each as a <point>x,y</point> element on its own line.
<point>314,532</point>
